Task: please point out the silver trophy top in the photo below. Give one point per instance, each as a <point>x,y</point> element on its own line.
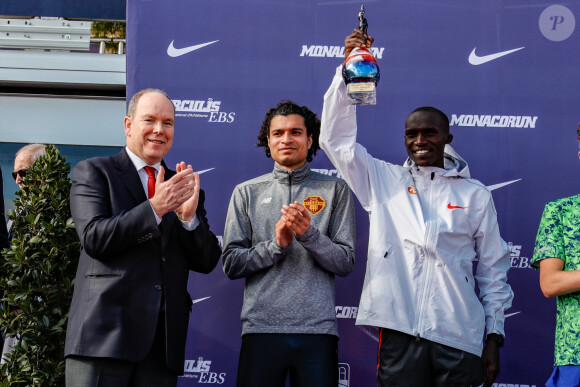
<point>362,21</point>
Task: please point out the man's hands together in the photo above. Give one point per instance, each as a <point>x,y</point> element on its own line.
<point>179,194</point>
<point>295,220</point>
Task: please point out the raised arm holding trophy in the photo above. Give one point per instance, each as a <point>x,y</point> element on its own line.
<point>360,71</point>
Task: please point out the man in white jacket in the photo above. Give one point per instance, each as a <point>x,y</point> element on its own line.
<point>428,222</point>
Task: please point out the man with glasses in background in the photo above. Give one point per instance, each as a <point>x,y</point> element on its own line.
<point>25,157</point>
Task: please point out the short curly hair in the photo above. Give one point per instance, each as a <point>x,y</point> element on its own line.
<point>286,108</point>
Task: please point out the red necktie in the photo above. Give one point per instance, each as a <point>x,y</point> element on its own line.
<point>150,182</point>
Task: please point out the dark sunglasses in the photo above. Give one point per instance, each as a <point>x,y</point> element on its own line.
<point>20,173</point>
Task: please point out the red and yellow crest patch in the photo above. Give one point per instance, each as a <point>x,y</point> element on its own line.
<point>412,190</point>
<point>314,204</point>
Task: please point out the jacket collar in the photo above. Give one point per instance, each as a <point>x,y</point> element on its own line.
<point>285,176</point>
<point>130,176</point>
<point>454,165</point>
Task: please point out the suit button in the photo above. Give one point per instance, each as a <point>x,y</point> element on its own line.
<point>158,287</point>
<point>163,259</point>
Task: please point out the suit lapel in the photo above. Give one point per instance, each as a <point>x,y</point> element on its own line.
<point>129,176</point>
<point>170,218</point>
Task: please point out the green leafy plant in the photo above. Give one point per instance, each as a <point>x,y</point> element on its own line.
<point>37,275</point>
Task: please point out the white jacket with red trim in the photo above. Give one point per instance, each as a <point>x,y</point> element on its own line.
<point>427,226</point>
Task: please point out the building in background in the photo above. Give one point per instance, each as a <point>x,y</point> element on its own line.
<point>62,79</point>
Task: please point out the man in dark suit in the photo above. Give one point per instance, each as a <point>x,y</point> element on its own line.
<point>130,309</point>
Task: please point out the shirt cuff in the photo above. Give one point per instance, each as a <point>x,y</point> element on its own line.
<point>187,224</point>
<point>191,224</point>
<point>157,218</point>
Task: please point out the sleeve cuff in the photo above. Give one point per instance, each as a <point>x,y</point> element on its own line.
<point>191,224</point>
<point>157,218</point>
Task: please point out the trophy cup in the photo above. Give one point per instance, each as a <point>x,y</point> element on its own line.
<point>361,71</point>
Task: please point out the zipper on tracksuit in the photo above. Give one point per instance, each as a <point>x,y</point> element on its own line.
<point>426,261</point>
<point>289,187</point>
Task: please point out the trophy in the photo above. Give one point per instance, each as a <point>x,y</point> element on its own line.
<point>361,71</point>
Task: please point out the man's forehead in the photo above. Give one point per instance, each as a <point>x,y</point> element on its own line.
<point>24,158</point>
<point>286,128</point>
<point>152,98</point>
<point>423,119</point>
<point>289,122</point>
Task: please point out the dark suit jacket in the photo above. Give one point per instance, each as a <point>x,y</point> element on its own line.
<point>129,266</point>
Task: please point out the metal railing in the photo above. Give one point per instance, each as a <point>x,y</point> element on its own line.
<point>103,43</point>
<point>53,34</point>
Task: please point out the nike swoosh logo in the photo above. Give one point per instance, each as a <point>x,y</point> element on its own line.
<point>477,60</point>
<point>199,300</point>
<point>496,186</point>
<point>511,314</point>
<point>204,171</point>
<point>175,52</point>
<point>455,207</point>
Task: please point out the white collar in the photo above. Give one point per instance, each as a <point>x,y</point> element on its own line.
<point>138,162</point>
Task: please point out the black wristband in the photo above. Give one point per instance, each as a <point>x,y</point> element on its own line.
<point>495,337</point>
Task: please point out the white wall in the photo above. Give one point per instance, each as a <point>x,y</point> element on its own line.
<point>75,120</point>
<point>28,114</point>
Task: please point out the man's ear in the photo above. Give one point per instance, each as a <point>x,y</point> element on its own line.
<point>309,141</point>
<point>128,122</point>
<point>449,138</point>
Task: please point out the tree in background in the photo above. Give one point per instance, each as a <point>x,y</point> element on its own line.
<point>37,275</point>
<point>111,30</point>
